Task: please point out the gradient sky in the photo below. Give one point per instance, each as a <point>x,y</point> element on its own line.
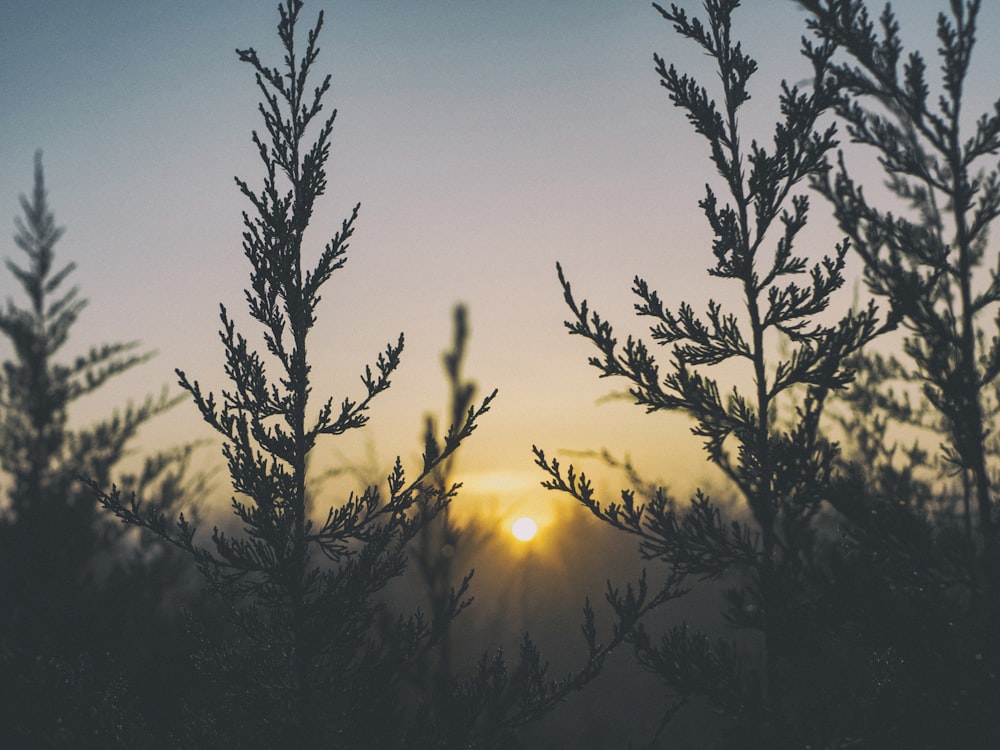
<point>484,141</point>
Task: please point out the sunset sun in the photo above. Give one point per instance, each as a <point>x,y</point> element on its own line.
<point>524,529</point>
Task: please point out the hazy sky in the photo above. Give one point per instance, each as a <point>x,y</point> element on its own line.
<point>484,141</point>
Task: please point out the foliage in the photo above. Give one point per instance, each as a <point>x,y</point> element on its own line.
<point>781,474</point>
<point>861,588</point>
<point>922,557</point>
<point>437,546</point>
<point>310,656</point>
<point>61,563</point>
<point>924,263</point>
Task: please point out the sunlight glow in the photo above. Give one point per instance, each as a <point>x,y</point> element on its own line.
<point>524,529</point>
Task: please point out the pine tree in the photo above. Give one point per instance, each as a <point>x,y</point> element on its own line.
<point>781,473</point>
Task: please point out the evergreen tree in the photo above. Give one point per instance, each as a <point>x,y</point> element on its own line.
<point>61,563</point>
<point>782,474</point>
<point>436,547</point>
<point>306,659</point>
<point>924,264</point>
<point>926,555</point>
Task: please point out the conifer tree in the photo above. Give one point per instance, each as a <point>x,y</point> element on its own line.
<point>780,473</point>
<point>40,454</point>
<point>306,659</point>
<point>300,667</point>
<point>61,562</point>
<point>924,262</point>
<point>926,555</point>
<point>47,507</point>
<point>435,549</point>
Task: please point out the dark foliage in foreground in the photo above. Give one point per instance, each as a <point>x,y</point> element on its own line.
<point>781,475</point>
<point>309,656</point>
<point>859,580</point>
<point>873,583</point>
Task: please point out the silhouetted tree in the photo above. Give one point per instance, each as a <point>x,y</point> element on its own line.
<point>922,558</point>
<point>436,547</point>
<point>306,660</point>
<point>925,265</point>
<point>782,474</point>
<point>61,562</point>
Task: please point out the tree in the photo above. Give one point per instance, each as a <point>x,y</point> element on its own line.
<point>436,547</point>
<point>924,266</point>
<point>305,659</point>
<point>780,473</point>
<point>923,548</point>
<point>61,562</point>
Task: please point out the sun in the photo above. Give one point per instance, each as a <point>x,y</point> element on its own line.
<point>524,529</point>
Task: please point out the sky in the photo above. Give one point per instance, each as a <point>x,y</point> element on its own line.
<point>484,141</point>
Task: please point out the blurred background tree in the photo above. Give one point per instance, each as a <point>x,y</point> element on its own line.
<point>436,550</point>
<point>77,601</point>
<point>921,561</point>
